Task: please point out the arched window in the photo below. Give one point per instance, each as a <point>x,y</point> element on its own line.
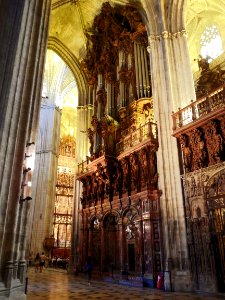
<point>211,43</point>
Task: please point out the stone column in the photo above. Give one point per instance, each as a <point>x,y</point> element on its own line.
<point>44,175</point>
<point>171,89</point>
<point>23,34</point>
<point>76,228</point>
<point>84,114</point>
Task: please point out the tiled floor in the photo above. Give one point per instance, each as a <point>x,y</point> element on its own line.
<point>58,285</point>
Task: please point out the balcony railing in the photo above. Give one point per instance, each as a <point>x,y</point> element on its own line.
<point>83,166</point>
<point>133,138</point>
<point>200,108</point>
<point>145,132</point>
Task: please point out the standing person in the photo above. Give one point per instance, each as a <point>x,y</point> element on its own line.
<point>42,261</point>
<point>89,268</point>
<point>37,262</point>
<point>47,262</point>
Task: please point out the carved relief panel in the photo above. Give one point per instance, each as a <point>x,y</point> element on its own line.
<point>203,146</point>
<point>205,212</point>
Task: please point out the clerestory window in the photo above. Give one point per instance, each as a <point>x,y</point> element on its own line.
<point>211,43</point>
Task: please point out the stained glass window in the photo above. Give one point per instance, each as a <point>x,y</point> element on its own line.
<point>211,43</point>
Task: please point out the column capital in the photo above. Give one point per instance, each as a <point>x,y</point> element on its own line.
<point>165,35</point>
<point>149,49</point>
<point>180,33</point>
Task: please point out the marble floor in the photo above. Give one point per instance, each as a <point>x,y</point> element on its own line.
<point>56,284</point>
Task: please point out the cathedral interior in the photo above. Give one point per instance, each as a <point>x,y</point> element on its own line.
<point>112,140</point>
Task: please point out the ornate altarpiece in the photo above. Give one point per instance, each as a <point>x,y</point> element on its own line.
<point>62,218</point>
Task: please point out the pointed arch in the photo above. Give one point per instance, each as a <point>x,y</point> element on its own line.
<point>73,63</point>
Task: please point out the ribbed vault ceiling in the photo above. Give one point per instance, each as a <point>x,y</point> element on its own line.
<point>71,18</point>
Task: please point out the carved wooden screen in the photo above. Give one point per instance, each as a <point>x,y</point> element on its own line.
<point>215,195</point>
<point>201,251</point>
<point>111,245</point>
<point>96,243</point>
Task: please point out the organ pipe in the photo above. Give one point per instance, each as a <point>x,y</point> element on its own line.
<point>143,72</point>
<point>139,71</point>
<point>136,69</point>
<point>147,74</point>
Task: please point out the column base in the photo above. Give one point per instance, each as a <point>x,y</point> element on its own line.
<point>182,281</point>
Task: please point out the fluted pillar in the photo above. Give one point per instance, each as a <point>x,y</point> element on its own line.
<point>76,227</point>
<point>44,177</point>
<point>172,87</point>
<point>22,59</point>
<point>84,117</point>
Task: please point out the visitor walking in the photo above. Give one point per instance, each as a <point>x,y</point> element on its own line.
<point>42,261</point>
<point>89,268</point>
<point>37,262</point>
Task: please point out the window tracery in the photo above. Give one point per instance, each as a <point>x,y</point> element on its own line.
<point>211,43</point>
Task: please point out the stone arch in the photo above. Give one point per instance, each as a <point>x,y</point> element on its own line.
<point>129,208</point>
<point>176,15</point>
<point>150,18</point>
<point>173,13</point>
<point>114,213</point>
<point>95,222</point>
<point>73,63</point>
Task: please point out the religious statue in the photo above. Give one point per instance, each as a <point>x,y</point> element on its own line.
<point>134,171</point>
<point>199,159</point>
<point>91,139</point>
<point>125,175</point>
<point>187,153</point>
<point>144,167</point>
<point>203,63</point>
<point>214,142</point>
<point>221,184</point>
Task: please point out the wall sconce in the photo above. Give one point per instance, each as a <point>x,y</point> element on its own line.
<point>26,170</point>
<point>28,198</point>
<point>29,144</point>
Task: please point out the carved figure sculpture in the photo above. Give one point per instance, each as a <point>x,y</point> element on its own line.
<point>125,175</point>
<point>197,142</point>
<point>91,139</point>
<point>187,153</point>
<point>94,187</point>
<point>222,128</point>
<point>153,170</point>
<point>118,179</point>
<point>221,184</point>
<point>144,167</point>
<point>214,143</point>
<point>134,171</point>
<point>203,63</point>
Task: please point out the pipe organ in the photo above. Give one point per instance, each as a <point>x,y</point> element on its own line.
<point>120,196</point>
